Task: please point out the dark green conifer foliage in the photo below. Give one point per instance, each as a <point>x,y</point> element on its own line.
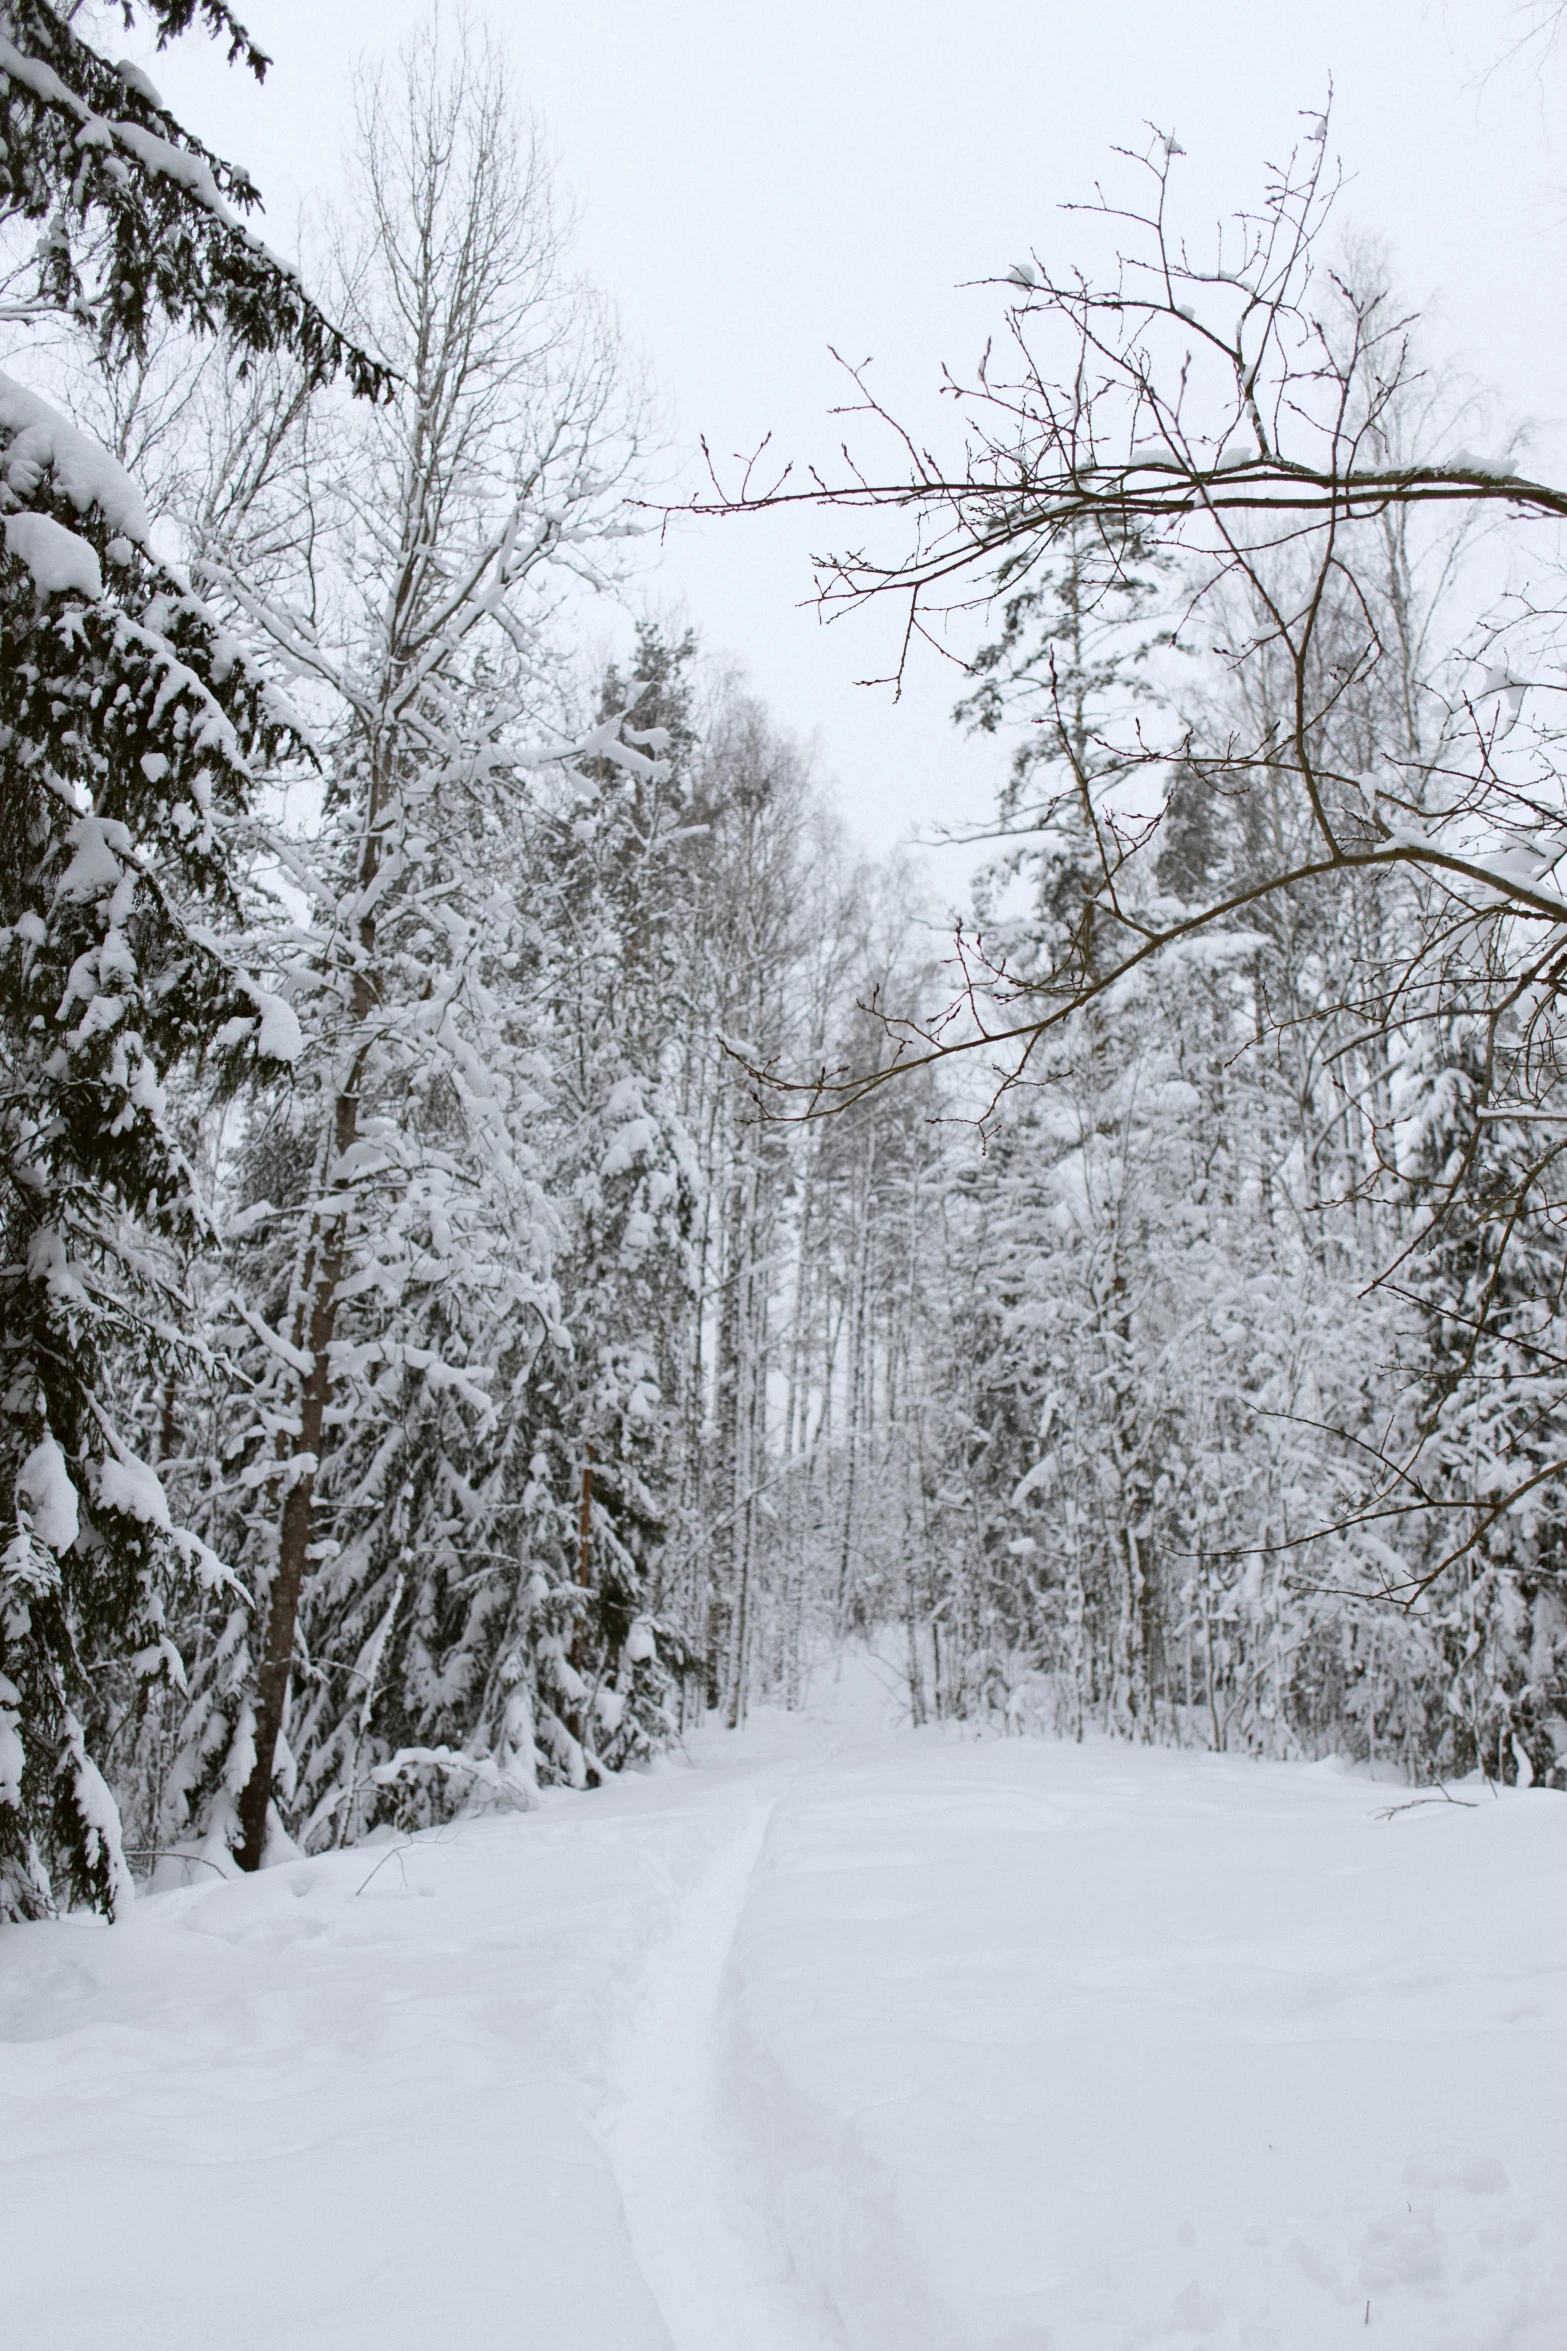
<point>140,222</point>
<point>130,730</point>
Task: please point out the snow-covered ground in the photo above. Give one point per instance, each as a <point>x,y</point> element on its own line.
<point>841,2038</point>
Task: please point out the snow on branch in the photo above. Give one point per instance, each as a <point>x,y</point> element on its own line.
<point>80,137</point>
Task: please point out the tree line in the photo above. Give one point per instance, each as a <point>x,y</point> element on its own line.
<point>511,1241</point>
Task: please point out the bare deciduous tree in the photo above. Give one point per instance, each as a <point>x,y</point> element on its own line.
<point>1240,416</point>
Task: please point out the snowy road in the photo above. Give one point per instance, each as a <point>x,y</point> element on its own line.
<point>839,2042</point>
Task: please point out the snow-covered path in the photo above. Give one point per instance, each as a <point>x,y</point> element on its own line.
<point>841,2041</point>
<point>671,2132</point>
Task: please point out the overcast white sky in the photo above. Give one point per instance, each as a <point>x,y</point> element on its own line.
<point>757,182</point>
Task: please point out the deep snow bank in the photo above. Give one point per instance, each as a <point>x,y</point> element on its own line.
<point>307,2113</point>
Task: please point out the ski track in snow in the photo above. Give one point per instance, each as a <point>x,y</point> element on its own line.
<point>672,2138</point>
<point>838,2042</point>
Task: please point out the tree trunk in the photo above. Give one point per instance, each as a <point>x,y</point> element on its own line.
<point>315,1394</point>
<point>293,1557</point>
<point>578,1721</point>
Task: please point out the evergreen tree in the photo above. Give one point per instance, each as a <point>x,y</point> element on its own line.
<point>406,1283</point>
<point>133,729</point>
<point>1485,1560</point>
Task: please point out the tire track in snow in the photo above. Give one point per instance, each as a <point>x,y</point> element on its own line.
<point>698,2244</point>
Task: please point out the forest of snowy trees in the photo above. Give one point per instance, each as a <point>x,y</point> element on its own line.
<point>516,1233</point>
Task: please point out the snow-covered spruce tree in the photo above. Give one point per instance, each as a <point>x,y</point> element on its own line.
<point>132,727</point>
<point>139,223</point>
<point>1064,1198</point>
<point>1134,1312</point>
<point>1157,1387</point>
<point>625,1178</point>
<point>1359,993</point>
<point>1484,1566</point>
<point>383,1475</point>
<point>1221,1137</point>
